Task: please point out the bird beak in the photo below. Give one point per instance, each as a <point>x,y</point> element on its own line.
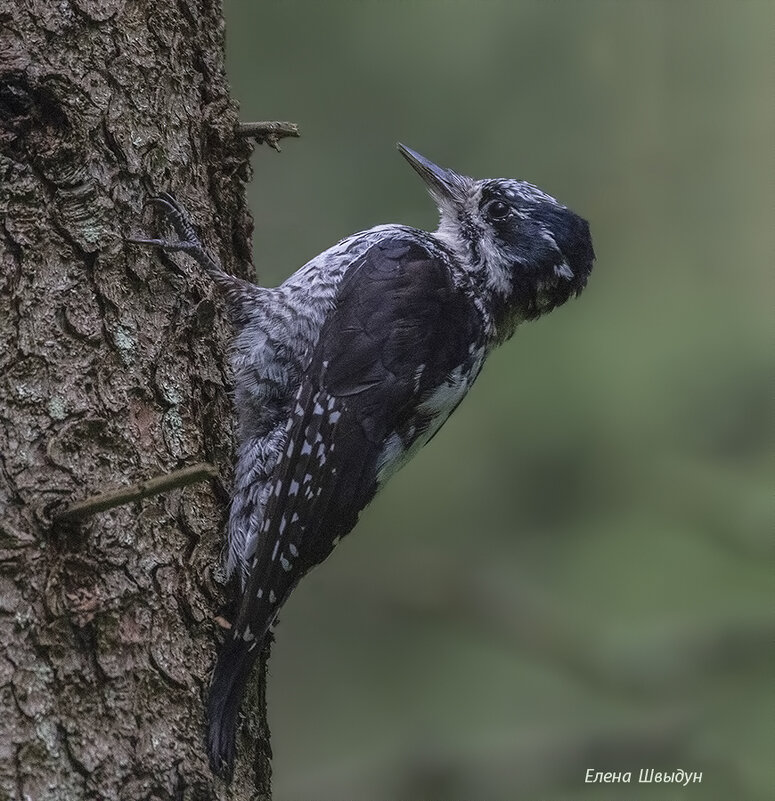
<point>443,184</point>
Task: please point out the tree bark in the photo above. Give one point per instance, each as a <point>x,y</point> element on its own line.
<point>112,368</point>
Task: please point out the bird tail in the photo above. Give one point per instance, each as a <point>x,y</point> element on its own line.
<point>232,671</point>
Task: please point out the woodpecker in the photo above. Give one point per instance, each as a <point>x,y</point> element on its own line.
<point>347,369</point>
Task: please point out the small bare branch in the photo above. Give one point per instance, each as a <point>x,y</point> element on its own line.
<point>268,133</point>
<point>118,497</point>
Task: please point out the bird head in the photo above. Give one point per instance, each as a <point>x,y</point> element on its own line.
<point>526,252</point>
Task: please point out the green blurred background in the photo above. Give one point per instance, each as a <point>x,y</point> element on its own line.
<point>577,573</point>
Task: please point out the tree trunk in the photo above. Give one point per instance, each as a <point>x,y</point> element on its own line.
<point>112,363</point>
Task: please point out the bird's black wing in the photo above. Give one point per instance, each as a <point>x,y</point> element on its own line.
<point>399,328</point>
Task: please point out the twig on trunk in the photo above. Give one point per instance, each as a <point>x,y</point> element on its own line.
<point>153,486</point>
<point>268,133</point>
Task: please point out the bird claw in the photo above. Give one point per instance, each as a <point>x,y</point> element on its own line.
<point>168,245</point>
<point>170,205</point>
<point>178,217</point>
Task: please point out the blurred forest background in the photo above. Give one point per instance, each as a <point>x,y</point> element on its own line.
<point>577,572</point>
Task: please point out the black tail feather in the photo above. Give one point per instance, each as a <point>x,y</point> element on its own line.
<point>232,671</point>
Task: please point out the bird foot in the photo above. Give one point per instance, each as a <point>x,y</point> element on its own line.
<point>188,240</point>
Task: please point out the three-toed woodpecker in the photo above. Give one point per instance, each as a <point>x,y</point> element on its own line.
<point>348,368</point>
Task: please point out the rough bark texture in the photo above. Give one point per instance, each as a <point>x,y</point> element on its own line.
<point>111,372</point>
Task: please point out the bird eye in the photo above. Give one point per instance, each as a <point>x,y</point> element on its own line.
<point>498,210</point>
